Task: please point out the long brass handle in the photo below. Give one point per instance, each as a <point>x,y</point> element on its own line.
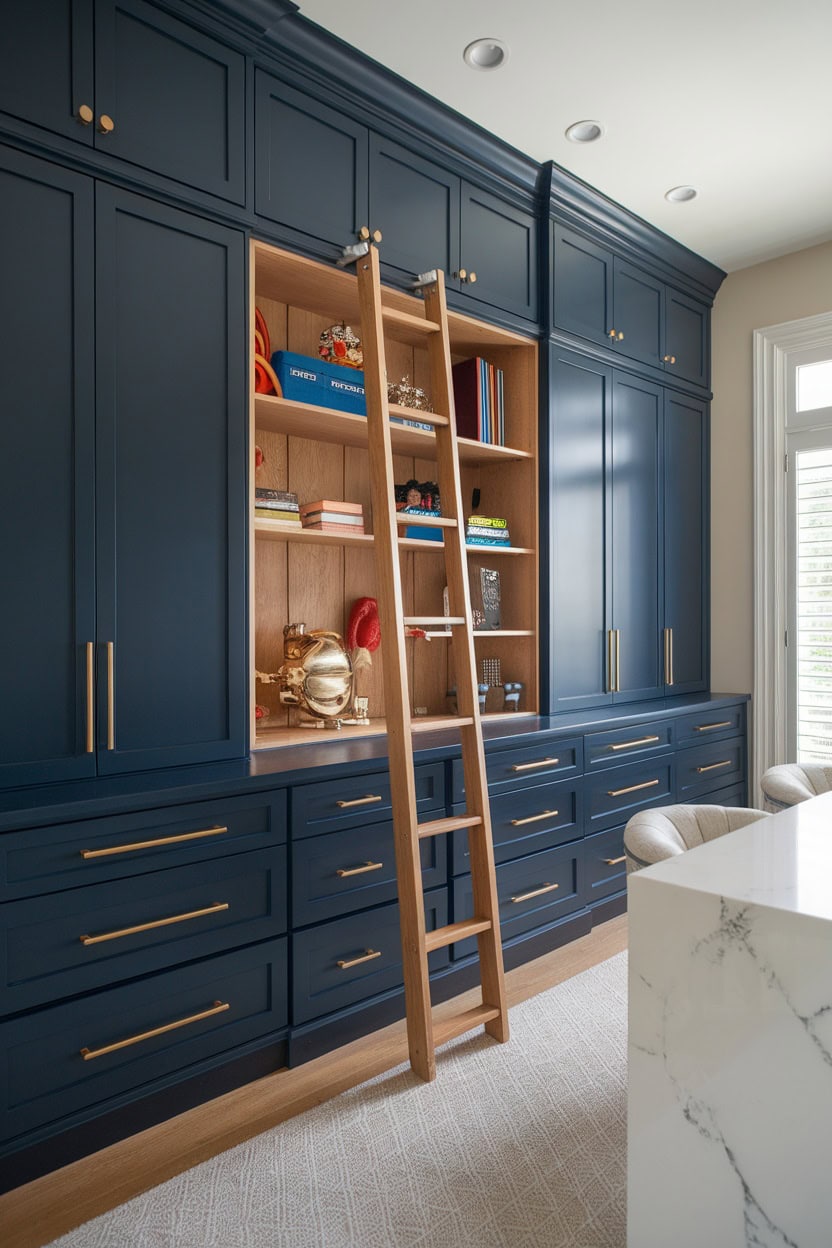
<point>146,927</point>
<point>626,745</point>
<point>713,766</point>
<point>90,702</point>
<point>723,723</point>
<point>544,814</point>
<point>668,656</point>
<point>543,762</point>
<point>361,801</point>
<point>218,1007</point>
<point>672,677</point>
<point>610,660</point>
<point>536,892</point>
<point>613,862</point>
<point>618,645</point>
<point>162,840</point>
<point>111,702</point>
<point>368,866</point>
<point>346,963</point>
<point>633,788</point>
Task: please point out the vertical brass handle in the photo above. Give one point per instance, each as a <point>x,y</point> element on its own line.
<point>610,661</point>
<point>671,681</point>
<point>111,706</point>
<point>668,656</point>
<point>617,661</point>
<point>106,125</point>
<point>90,704</point>
<point>84,114</point>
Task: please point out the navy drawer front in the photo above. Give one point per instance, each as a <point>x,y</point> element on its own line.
<point>338,964</point>
<point>736,795</point>
<point>350,870</point>
<point>532,892</point>
<point>614,795</point>
<point>55,1061</point>
<point>535,818</point>
<point>69,855</point>
<point>610,749</point>
<point>710,725</point>
<point>529,764</point>
<point>605,868</point>
<point>84,938</point>
<point>706,768</point>
<point>358,800</point>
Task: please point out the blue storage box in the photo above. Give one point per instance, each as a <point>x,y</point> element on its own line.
<point>308,380</point>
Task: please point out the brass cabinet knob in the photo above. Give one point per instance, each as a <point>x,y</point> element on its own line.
<point>84,114</point>
<point>669,359</point>
<point>619,337</point>
<point>377,236</point>
<point>106,125</point>
<point>462,274</point>
<point>472,277</point>
<point>611,334</point>
<point>364,233</point>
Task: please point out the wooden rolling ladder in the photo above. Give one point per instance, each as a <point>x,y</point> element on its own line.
<point>424,1036</point>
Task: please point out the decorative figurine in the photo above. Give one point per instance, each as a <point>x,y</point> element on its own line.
<point>405,395</point>
<point>513,689</point>
<point>340,344</point>
<point>363,637</point>
<point>316,676</point>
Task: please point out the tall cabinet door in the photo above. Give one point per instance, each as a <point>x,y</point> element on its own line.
<point>686,541</point>
<point>636,506</point>
<point>577,599</point>
<point>638,313</point>
<point>170,485</point>
<point>582,286</point>
<point>46,465</point>
<point>415,204</point>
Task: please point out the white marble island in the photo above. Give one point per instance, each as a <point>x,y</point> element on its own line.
<point>730,1041</point>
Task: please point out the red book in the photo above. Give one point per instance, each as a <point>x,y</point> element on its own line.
<point>468,398</point>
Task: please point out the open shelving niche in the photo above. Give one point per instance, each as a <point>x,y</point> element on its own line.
<point>314,578</point>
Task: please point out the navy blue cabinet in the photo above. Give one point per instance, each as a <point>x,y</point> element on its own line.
<point>638,313</point>
<point>687,338</point>
<point>46,65</point>
<point>415,204</point>
<point>498,253</point>
<point>686,543</point>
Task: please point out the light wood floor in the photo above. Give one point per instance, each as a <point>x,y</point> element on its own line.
<point>40,1211</point>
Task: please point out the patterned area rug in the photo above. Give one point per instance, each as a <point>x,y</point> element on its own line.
<point>513,1146</point>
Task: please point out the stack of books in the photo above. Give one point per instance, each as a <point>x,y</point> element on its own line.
<point>326,516</point>
<point>479,402</point>
<point>487,531</point>
<point>279,505</point>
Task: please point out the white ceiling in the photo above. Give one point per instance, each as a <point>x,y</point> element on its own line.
<point>731,96</point>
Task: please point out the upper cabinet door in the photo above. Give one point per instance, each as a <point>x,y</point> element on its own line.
<point>310,164</point>
<point>686,478</point>
<point>47,452</point>
<point>582,287</point>
<point>687,338</point>
<point>498,253</point>
<point>415,205</point>
<point>171,472</point>
<point>46,65</point>
<point>638,314</point>
<point>175,97</point>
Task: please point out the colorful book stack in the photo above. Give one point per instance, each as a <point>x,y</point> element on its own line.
<point>487,531</point>
<point>479,401</point>
<point>326,516</point>
<point>279,505</point>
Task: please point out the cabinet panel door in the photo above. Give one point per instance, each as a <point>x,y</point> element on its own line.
<point>636,527</point>
<point>687,337</point>
<point>579,571</point>
<point>46,69</point>
<point>499,244</point>
<point>310,165</point>
<point>415,204</point>
<point>177,97</point>
<point>638,314</point>
<point>686,607</point>
<point>582,287</point>
<point>46,457</point>
<point>171,483</point>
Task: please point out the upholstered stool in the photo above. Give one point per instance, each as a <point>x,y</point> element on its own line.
<point>789,783</point>
<point>653,835</point>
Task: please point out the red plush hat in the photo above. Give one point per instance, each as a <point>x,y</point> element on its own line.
<point>364,628</point>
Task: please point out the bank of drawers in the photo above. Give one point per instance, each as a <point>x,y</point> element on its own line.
<point>605,869</point>
<point>704,768</point>
<point>531,818</point>
<point>353,802</point>
<point>532,763</point>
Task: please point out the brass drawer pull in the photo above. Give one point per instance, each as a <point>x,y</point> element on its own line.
<point>146,927</point>
<point>346,963</point>
<point>724,723</point>
<point>544,814</point>
<point>633,788</point>
<point>543,762</point>
<point>218,1007</point>
<point>628,745</point>
<point>536,892</point>
<point>613,862</point>
<point>712,766</point>
<point>368,866</point>
<point>361,801</point>
<point>163,840</point>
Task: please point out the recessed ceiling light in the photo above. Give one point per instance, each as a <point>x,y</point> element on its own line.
<point>681,194</point>
<point>584,131</point>
<point>486,54</point>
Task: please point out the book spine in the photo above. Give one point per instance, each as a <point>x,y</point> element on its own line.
<point>331,517</point>
<point>334,528</point>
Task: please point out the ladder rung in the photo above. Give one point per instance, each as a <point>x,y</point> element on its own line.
<point>455,931</point>
<point>406,320</point>
<point>429,723</point>
<point>433,621</point>
<point>436,522</point>
<point>410,413</point>
<point>458,1024</point>
<point>455,824</point>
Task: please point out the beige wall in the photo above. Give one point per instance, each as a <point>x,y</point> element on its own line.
<point>780,290</point>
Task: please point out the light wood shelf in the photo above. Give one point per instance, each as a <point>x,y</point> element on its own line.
<point>273,530</point>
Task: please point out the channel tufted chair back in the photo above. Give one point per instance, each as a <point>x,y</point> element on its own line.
<point>653,835</point>
<point>789,783</point>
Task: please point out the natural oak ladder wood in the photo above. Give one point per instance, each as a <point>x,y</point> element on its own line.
<point>416,943</point>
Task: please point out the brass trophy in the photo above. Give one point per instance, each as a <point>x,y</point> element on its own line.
<point>316,676</point>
